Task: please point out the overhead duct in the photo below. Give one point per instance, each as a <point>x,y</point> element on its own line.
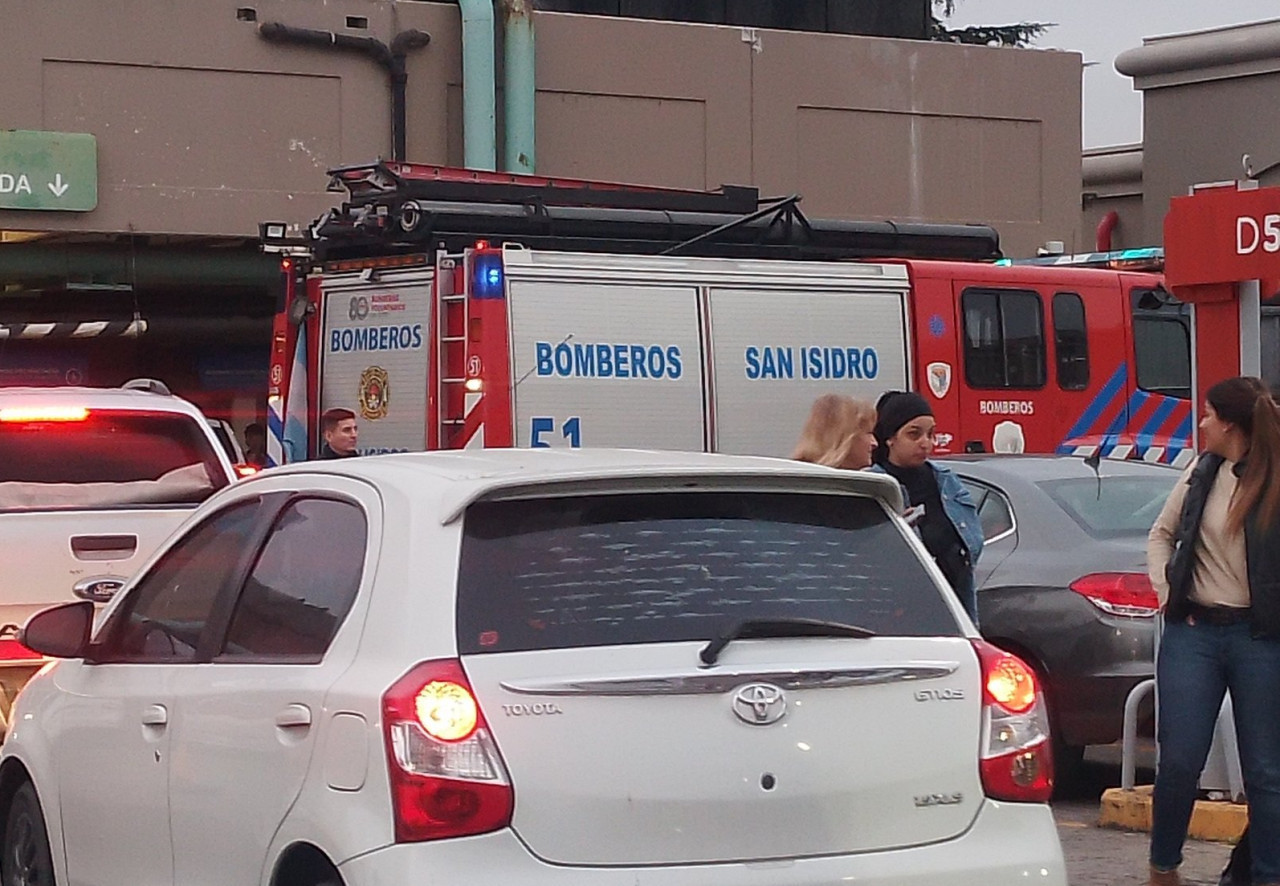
<point>104,267</point>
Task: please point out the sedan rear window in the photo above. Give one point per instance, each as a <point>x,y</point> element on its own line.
<point>110,458</point>
<point>604,570</point>
<point>1113,507</point>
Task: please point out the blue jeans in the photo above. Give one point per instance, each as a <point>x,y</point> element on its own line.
<point>1196,665</point>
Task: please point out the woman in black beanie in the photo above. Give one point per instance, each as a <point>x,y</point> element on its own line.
<point>949,525</point>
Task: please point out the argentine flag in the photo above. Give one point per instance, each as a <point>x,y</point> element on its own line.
<point>295,407</point>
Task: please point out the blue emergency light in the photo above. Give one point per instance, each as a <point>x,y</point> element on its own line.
<point>486,275</point>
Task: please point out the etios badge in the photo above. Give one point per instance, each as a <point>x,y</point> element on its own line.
<point>760,704</point>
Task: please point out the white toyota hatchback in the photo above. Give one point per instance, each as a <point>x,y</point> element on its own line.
<point>528,667</point>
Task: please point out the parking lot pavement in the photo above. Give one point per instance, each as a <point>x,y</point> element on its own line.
<point>1098,856</point>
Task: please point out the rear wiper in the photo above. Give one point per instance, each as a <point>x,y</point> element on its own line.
<point>779,627</point>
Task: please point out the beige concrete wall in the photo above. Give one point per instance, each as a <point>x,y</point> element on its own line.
<point>204,128</point>
<point>648,102</point>
<point>1112,182</point>
<point>912,130</point>
<point>1208,99</point>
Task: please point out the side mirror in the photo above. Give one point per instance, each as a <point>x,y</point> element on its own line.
<point>60,631</point>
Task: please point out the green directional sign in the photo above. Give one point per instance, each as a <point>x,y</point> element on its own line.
<point>48,170</point>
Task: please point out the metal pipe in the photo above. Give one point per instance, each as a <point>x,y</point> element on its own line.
<point>519,86</point>
<point>479,101</point>
<point>391,58</point>
<point>1102,236</point>
<point>1129,736</point>
<point>398,72</point>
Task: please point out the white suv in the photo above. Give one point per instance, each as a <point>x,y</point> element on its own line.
<point>531,667</point>
<point>91,481</point>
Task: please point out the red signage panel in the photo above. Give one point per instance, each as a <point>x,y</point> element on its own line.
<point>1222,236</point>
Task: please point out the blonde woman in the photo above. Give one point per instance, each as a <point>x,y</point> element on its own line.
<point>838,433</point>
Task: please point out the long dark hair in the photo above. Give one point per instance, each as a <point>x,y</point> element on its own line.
<point>1245,402</point>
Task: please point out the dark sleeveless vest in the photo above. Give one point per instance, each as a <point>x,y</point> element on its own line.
<point>1262,553</point>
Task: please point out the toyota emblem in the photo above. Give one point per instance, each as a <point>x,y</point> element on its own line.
<point>759,704</point>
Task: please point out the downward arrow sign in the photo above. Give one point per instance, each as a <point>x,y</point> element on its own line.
<point>58,186</point>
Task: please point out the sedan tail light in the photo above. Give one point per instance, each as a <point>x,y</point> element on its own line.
<point>1119,593</point>
<point>1015,759</point>
<point>447,778</point>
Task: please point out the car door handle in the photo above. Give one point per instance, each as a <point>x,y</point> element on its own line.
<point>155,715</point>
<point>104,547</point>
<point>293,716</point>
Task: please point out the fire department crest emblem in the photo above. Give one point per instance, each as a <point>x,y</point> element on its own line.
<point>375,393</point>
<point>939,375</point>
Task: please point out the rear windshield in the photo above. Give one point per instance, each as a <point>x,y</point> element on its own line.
<point>1113,507</point>
<point>110,459</point>
<point>664,567</point>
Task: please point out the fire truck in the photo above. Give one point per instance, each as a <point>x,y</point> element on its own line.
<point>452,309</point>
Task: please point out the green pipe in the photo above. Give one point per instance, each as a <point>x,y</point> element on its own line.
<point>479,102</point>
<point>519,85</point>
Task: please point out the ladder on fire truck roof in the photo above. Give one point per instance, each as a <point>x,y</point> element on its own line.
<point>405,207</point>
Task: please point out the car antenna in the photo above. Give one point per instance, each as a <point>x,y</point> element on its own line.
<point>1094,461</point>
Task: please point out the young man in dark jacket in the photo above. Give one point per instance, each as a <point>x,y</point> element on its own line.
<point>338,427</point>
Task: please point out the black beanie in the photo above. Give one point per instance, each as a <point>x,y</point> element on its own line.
<point>893,410</point>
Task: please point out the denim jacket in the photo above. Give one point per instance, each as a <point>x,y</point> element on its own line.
<point>961,510</point>
<point>963,514</point>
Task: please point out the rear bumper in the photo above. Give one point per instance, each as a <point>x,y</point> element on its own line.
<point>1091,708</point>
<point>1008,843</point>
<point>1090,678</point>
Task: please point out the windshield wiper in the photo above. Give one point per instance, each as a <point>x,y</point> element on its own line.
<point>779,627</point>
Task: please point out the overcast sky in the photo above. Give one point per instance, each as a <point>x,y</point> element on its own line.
<point>1101,30</point>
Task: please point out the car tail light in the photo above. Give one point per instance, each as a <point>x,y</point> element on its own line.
<point>245,470</point>
<point>1015,759</point>
<point>12,650</point>
<point>447,778</point>
<point>1119,593</point>
<point>43,413</point>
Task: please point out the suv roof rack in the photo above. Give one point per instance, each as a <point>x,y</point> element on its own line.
<point>150,385</point>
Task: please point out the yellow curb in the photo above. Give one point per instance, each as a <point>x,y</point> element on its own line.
<point>1210,820</point>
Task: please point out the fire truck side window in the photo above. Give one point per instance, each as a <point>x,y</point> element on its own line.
<point>1161,343</point>
<point>1070,341</point>
<point>1003,338</point>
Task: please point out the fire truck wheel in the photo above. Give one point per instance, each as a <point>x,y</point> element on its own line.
<point>25,860</point>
